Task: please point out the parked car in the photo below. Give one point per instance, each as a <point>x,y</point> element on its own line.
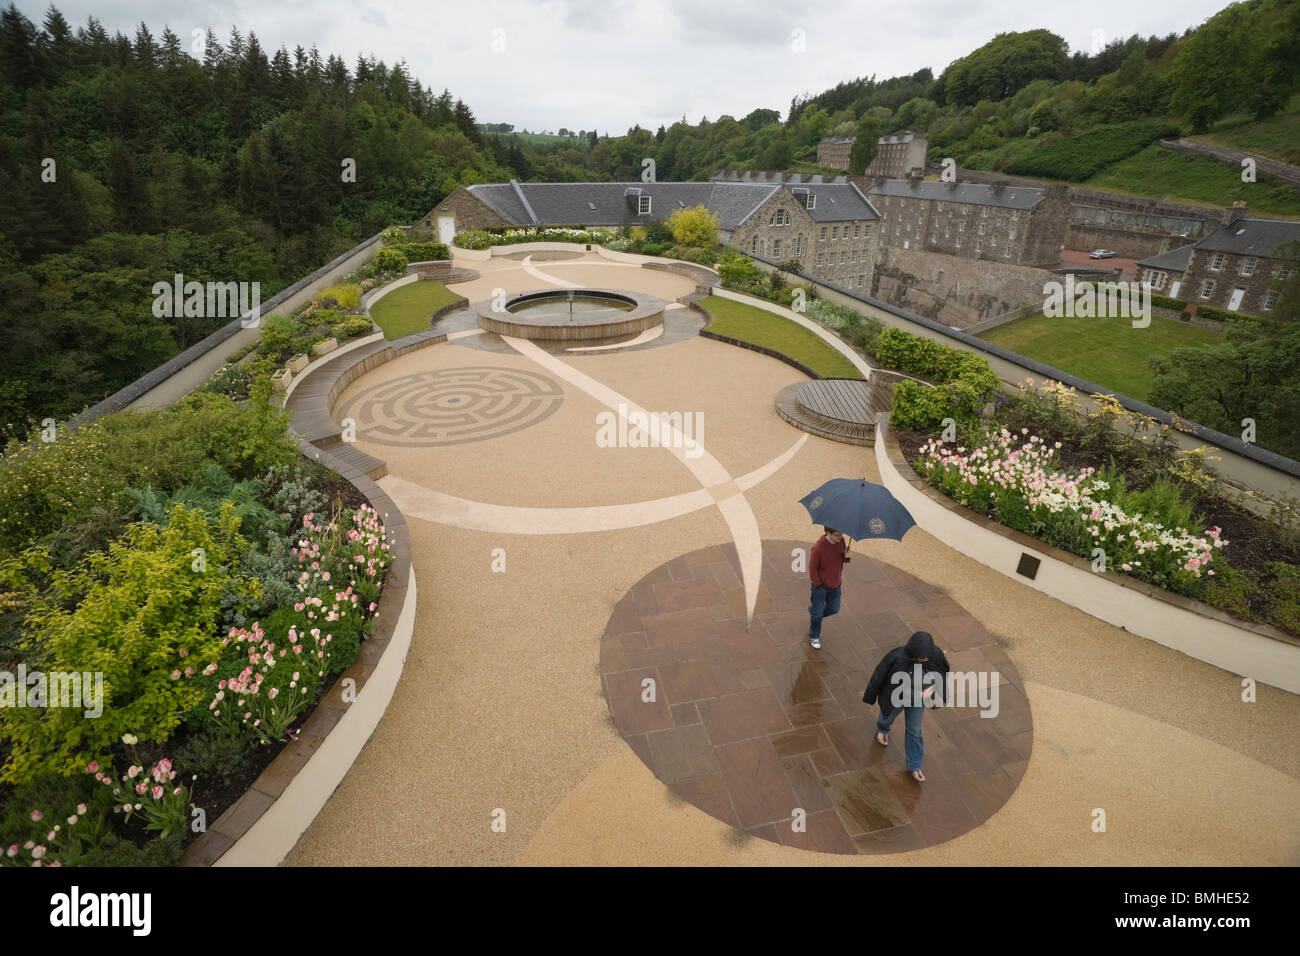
<point>1102,254</point>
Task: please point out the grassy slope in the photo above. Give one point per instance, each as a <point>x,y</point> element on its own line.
<point>1109,352</point>
<point>1277,138</point>
<point>407,310</point>
<point>1159,172</point>
<point>751,324</point>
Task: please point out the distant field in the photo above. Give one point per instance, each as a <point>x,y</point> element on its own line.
<point>1160,172</point>
<point>1109,352</point>
<point>542,139</point>
<point>408,310</point>
<point>751,324</point>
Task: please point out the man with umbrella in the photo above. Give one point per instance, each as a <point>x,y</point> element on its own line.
<point>825,568</point>
<point>863,510</point>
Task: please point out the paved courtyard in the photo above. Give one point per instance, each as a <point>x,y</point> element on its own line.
<point>556,575</point>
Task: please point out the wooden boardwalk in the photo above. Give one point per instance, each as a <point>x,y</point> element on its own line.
<point>840,409</point>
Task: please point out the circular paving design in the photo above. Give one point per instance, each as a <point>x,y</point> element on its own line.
<point>452,406</point>
<point>752,726</point>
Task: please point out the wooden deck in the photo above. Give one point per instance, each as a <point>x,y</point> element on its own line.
<point>836,408</point>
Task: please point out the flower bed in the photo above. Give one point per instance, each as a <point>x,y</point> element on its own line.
<point>1114,484</point>
<point>160,553</point>
<point>483,239</point>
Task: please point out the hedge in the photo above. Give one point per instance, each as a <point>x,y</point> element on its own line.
<point>1221,315</point>
<point>1166,302</point>
<point>424,251</point>
<point>965,381</point>
<point>1077,158</point>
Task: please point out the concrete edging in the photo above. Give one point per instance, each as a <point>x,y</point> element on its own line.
<point>816,328</point>
<point>1181,623</point>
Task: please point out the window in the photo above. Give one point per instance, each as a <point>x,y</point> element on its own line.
<point>1008,252</point>
<point>823,235</point>
<point>853,255</point>
<point>776,248</point>
<point>1283,271</point>
<point>897,231</point>
<point>643,206</point>
<point>860,280</point>
<point>821,258</point>
<point>1156,279</point>
<point>855,231</point>
<point>1248,267</point>
<point>981,229</point>
<point>1270,300</point>
<point>1216,262</point>
<point>799,244</point>
<point>843,257</point>
<point>1207,287</point>
<point>811,202</point>
<point>835,232</point>
<point>866,231</point>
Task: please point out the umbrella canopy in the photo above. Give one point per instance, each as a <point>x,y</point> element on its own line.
<point>859,508</point>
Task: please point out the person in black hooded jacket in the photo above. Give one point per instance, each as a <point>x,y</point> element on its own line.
<point>905,679</point>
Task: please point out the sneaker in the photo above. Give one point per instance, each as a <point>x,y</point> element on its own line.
<point>817,643</point>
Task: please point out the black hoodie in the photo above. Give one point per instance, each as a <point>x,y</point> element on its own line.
<point>903,660</point>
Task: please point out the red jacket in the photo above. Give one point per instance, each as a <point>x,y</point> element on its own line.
<point>826,565</point>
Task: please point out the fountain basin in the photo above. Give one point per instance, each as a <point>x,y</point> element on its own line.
<point>571,314</point>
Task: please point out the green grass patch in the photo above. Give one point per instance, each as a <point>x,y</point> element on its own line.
<point>760,327</point>
<point>407,310</point>
<point>1160,172</point>
<point>1109,352</point>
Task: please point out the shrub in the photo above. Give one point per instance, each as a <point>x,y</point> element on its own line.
<point>425,251</point>
<point>1231,590</point>
<point>965,380</point>
<point>390,260</point>
<point>696,226</point>
<point>1284,595</point>
<point>472,239</point>
<point>1222,315</point>
<point>652,248</point>
<point>351,328</point>
<point>146,619</point>
<point>348,296</point>
<point>229,380</point>
<point>737,270</point>
<point>1165,302</point>
<point>393,236</point>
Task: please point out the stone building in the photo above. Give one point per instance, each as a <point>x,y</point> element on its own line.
<point>1241,266</point>
<point>833,151</point>
<point>897,156</point>
<point>1019,225</point>
<point>829,227</point>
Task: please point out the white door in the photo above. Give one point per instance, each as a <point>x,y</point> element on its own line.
<point>446,228</point>
<point>1173,290</point>
<point>1237,295</point>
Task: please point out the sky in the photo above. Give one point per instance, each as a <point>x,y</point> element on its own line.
<point>546,64</point>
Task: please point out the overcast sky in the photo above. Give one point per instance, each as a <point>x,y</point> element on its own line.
<point>543,64</point>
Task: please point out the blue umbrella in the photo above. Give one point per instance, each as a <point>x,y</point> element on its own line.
<point>859,508</point>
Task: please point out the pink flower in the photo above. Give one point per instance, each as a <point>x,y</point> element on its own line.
<point>81,808</point>
<point>92,767</point>
<point>37,816</point>
<point>12,851</point>
<point>157,792</point>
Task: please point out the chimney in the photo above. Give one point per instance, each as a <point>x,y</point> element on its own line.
<point>1236,211</point>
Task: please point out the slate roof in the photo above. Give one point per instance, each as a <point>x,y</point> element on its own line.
<point>1006,197</point>
<point>1172,260</point>
<point>607,204</point>
<point>1251,236</point>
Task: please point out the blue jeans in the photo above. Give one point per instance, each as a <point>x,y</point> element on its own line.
<point>914,746</point>
<point>825,602</point>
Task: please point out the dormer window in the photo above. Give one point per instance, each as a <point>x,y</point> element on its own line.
<point>643,205</point>
<point>811,203</point>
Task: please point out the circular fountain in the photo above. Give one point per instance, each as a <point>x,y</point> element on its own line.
<point>563,314</point>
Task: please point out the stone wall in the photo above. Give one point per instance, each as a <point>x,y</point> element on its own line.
<point>953,290</point>
<point>1128,243</point>
<point>469,213</point>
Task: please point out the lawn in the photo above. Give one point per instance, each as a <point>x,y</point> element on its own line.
<point>407,310</point>
<point>1109,352</point>
<point>1160,172</point>
<point>751,324</point>
<point>1278,137</point>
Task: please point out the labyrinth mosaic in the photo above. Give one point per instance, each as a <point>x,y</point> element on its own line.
<point>452,406</point>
